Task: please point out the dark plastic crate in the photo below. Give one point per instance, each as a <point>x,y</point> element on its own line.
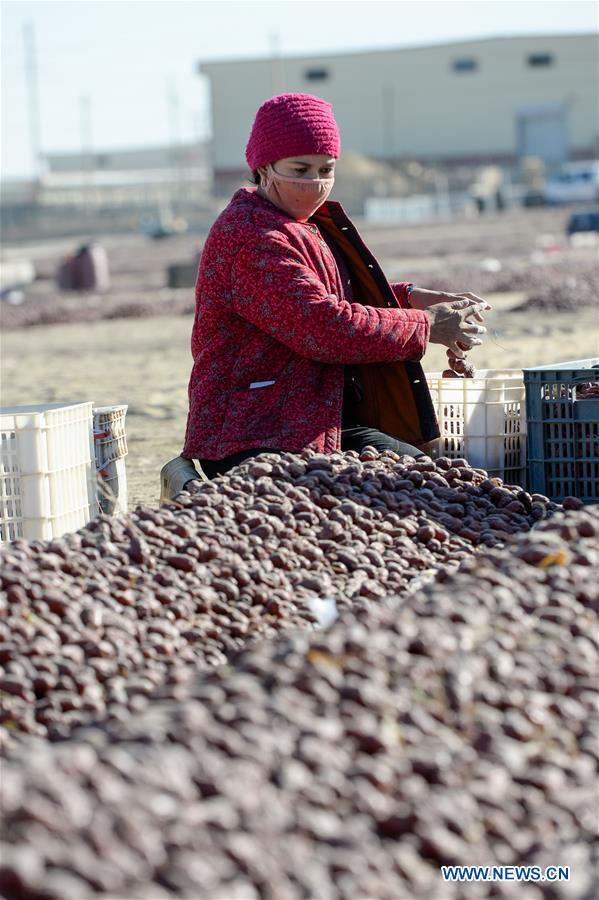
<point>563,431</point>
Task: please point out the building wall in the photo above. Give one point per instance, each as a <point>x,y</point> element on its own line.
<point>395,104</point>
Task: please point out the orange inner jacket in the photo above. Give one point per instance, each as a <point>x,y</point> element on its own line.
<point>396,397</point>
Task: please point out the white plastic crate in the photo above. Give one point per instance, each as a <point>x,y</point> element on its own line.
<point>110,443</point>
<point>483,419</point>
<point>47,471</point>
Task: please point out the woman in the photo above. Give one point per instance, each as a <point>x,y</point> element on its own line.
<point>299,341</point>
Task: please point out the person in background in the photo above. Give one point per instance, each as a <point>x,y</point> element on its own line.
<point>299,341</point>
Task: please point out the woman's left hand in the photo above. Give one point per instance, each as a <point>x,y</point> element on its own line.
<point>421,298</point>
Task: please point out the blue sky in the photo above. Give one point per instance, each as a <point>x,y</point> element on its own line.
<point>128,56</point>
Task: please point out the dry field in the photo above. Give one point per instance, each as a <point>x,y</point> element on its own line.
<point>143,359</point>
<point>182,716</point>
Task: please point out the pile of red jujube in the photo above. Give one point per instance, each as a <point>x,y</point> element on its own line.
<point>138,273</point>
<point>178,721</point>
<point>99,617</point>
<point>563,294</point>
<point>589,390</point>
<point>563,286</point>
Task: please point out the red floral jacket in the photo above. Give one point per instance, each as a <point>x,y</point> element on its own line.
<point>273,332</point>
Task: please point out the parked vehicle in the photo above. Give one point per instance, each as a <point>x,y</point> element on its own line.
<point>583,221</point>
<point>573,183</point>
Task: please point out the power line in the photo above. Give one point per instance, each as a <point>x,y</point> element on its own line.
<point>108,52</point>
<point>176,50</point>
<point>54,73</point>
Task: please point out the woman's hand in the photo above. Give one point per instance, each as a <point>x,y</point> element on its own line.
<point>452,325</point>
<point>421,298</point>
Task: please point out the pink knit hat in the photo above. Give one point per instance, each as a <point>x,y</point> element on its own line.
<point>291,125</point>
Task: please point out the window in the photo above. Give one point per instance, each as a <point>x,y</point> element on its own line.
<point>316,74</point>
<point>540,59</point>
<point>465,65</point>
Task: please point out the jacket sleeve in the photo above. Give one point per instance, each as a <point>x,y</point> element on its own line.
<point>274,289</point>
<point>400,289</point>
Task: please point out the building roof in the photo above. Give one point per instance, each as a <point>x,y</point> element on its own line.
<point>205,67</point>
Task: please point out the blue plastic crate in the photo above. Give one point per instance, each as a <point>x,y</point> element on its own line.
<point>563,431</point>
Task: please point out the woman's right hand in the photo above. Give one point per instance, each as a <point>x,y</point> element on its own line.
<point>451,325</point>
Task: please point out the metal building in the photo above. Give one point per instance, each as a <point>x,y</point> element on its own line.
<point>494,100</point>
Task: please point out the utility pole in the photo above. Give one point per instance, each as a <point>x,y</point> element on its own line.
<point>198,126</point>
<point>175,137</point>
<point>388,106</point>
<point>277,75</point>
<point>33,99</point>
<point>87,162</point>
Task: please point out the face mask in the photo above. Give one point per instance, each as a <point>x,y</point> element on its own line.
<point>301,197</point>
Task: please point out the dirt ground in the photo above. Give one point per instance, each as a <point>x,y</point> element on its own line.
<point>145,362</point>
